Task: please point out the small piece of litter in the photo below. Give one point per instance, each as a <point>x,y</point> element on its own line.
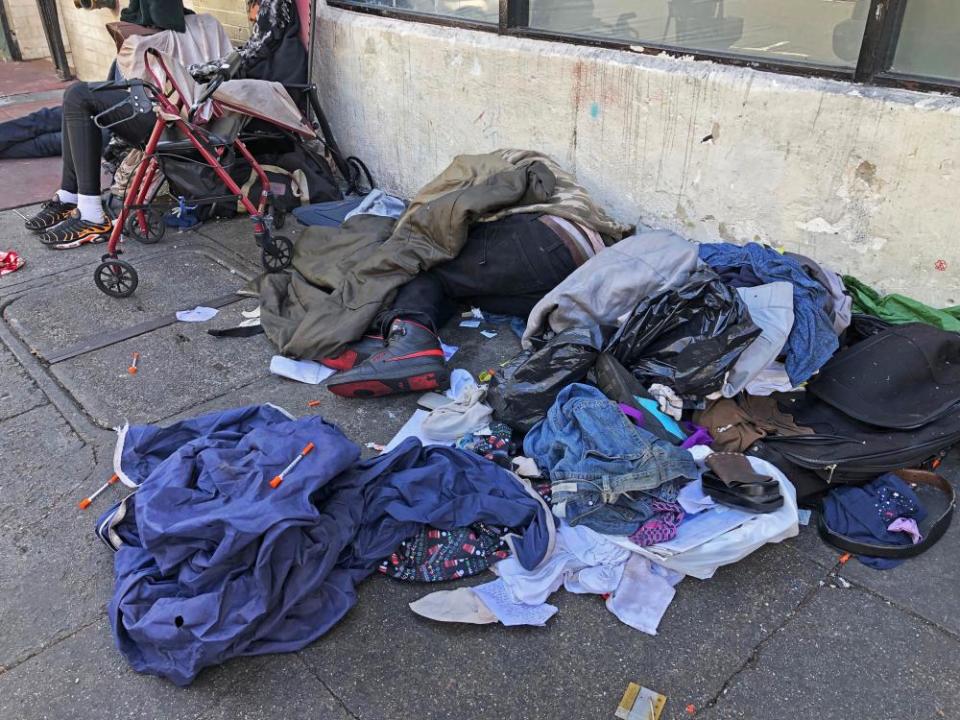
<point>843,583</point>
<point>803,516</point>
<point>640,703</point>
<point>198,314</point>
<point>486,375</point>
<point>313,403</point>
<point>488,334</point>
<point>844,558</point>
<point>375,446</point>
<point>691,709</point>
<point>448,350</point>
<point>305,371</point>
<point>470,323</point>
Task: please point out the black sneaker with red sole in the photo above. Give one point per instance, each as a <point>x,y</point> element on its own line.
<point>412,361</point>
<point>356,353</point>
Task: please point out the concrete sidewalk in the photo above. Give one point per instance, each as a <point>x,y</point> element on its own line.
<point>786,633</point>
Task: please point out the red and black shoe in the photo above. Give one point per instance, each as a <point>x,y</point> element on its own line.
<point>412,361</point>
<point>355,353</point>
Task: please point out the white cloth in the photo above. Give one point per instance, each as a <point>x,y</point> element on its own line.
<point>667,400</point>
<point>200,313</point>
<point>460,605</point>
<point>377,202</point>
<point>746,533</point>
<point>771,379</point>
<point>466,414</point>
<point>643,595</point>
<point>693,499</point>
<point>771,309</point>
<point>305,371</point>
<point>583,561</point>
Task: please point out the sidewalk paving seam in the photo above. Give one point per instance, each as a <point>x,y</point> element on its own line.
<point>336,697</point>
<point>45,403</point>
<point>4,669</point>
<point>752,658</point>
<point>952,634</point>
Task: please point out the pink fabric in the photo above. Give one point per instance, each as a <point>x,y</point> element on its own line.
<point>10,262</point>
<point>906,525</point>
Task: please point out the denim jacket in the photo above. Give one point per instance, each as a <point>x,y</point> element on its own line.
<point>604,471</point>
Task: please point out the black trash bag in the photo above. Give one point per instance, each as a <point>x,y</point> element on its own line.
<point>522,392</point>
<point>685,338</point>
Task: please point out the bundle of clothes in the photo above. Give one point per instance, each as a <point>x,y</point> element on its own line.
<point>671,407</point>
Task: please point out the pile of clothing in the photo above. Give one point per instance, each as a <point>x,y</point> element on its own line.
<point>671,407</point>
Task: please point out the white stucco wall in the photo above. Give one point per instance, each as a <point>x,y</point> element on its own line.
<point>866,180</point>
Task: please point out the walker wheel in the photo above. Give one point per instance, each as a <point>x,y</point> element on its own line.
<point>155,227</point>
<point>116,278</point>
<point>277,253</point>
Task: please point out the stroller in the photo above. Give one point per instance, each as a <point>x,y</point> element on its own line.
<point>206,120</point>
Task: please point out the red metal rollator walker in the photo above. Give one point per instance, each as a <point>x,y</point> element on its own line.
<point>206,119</point>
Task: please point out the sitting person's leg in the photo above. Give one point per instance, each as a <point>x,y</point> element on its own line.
<point>80,179</point>
<point>505,268</point>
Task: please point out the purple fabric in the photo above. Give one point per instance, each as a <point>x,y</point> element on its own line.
<point>699,435</point>
<point>662,526</point>
<point>908,526</point>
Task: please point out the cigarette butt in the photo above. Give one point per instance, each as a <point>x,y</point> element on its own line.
<point>313,403</point>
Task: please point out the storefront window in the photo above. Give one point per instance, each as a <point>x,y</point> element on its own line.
<point>810,31</point>
<point>929,42</point>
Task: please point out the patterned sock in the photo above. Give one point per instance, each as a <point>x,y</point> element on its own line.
<point>91,209</point>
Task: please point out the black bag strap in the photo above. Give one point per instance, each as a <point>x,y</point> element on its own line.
<point>899,552</point>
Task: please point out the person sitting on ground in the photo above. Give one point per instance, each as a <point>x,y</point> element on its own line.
<point>75,215</point>
<point>505,268</point>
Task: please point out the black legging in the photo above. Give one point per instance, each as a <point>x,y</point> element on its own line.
<point>83,140</point>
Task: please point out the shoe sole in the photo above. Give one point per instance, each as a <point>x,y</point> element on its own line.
<point>379,388</point>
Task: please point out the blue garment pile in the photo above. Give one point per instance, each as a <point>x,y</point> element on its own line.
<point>812,340</point>
<point>605,472</point>
<point>864,513</point>
<point>214,563</point>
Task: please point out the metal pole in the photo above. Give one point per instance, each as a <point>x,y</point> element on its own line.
<point>310,52</point>
<point>51,28</point>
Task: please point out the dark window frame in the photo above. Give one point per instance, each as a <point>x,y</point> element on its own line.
<point>877,49</point>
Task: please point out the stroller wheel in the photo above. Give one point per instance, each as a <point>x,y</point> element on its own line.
<point>277,253</point>
<point>116,278</point>
<point>153,228</point>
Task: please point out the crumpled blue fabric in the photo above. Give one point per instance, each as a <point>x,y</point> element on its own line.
<point>864,513</point>
<point>812,340</point>
<point>216,564</point>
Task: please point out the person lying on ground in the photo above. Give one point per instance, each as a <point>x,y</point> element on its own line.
<point>505,268</point>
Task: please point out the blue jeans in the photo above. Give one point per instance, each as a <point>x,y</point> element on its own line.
<point>33,135</point>
<point>604,471</point>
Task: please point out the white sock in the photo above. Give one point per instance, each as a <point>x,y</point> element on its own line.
<point>66,197</point>
<point>91,208</point>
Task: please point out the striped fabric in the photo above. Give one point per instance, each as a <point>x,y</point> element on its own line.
<point>582,242</point>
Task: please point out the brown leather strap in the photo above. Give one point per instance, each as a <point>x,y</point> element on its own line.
<point>897,552</point>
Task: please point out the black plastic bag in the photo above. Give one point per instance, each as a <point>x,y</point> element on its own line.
<point>522,392</point>
<point>685,338</point>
